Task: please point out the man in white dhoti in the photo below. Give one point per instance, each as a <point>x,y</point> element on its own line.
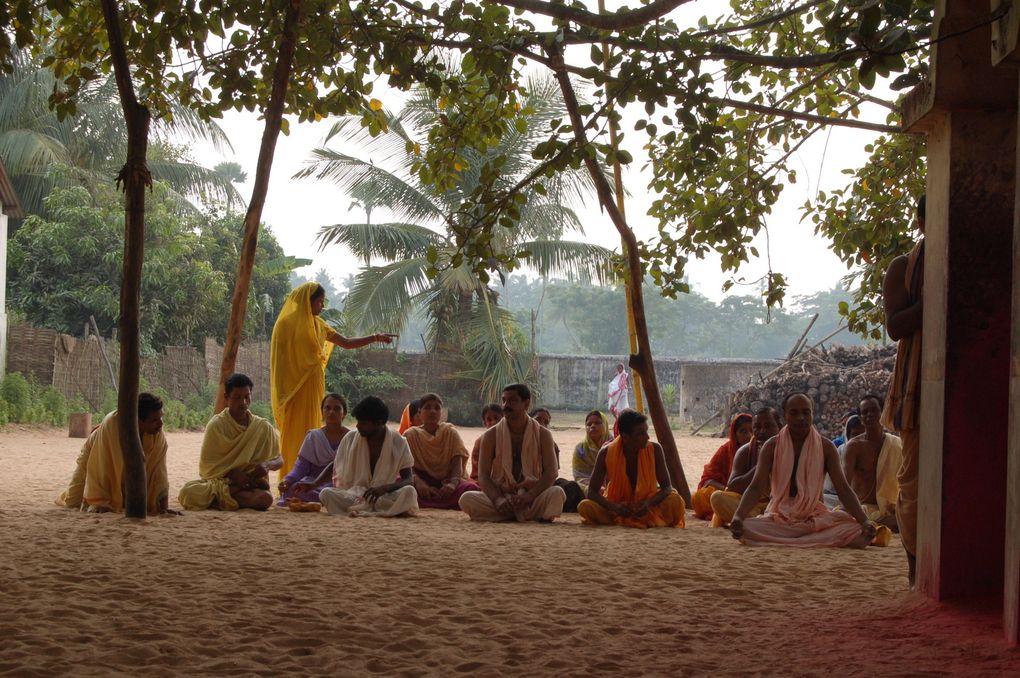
<point>517,467</point>
<point>372,472</point>
<point>618,400</point>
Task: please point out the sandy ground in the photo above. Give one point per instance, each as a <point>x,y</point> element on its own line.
<point>212,593</point>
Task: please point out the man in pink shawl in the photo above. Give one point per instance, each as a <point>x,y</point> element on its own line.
<point>794,464</point>
<point>517,467</point>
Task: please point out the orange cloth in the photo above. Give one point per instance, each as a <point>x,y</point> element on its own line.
<point>901,403</point>
<point>701,502</point>
<point>619,489</point>
<point>298,354</point>
<point>405,420</point>
<point>433,453</point>
<point>718,469</point>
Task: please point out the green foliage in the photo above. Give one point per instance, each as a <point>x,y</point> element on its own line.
<point>345,375</point>
<point>67,266</point>
<point>91,144</point>
<point>870,223</point>
<point>23,401</point>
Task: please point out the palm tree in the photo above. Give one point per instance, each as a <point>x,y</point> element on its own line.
<point>41,151</point>
<point>464,315</point>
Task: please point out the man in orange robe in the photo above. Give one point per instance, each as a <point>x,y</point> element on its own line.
<point>639,493</point>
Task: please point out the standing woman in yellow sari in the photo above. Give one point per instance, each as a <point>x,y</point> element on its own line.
<point>301,345</point>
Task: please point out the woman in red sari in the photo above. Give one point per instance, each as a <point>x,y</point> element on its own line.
<point>717,470</point>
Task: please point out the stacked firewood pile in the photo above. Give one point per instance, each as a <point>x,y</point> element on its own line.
<point>835,378</point>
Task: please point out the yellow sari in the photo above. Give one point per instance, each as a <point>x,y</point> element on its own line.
<point>298,355</point>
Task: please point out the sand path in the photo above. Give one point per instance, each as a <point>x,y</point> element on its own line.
<point>213,593</point>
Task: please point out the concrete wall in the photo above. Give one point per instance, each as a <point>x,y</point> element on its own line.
<point>702,387</point>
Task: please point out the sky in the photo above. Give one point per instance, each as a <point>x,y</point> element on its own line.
<point>296,209</point>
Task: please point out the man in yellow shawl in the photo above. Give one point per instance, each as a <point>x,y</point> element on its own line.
<point>903,300</point>
<point>639,493</point>
<point>440,457</point>
<point>300,348</point>
<point>97,483</point>
<point>238,451</point>
<point>870,464</point>
<point>517,467</point>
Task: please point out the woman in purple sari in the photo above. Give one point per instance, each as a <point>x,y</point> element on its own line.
<point>317,453</point>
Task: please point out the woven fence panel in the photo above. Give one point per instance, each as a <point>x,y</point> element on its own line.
<point>30,351</point>
<point>179,370</point>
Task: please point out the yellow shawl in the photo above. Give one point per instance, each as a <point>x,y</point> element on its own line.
<point>228,445</point>
<point>105,475</point>
<point>619,489</point>
<point>433,453</point>
<point>887,488</point>
<point>531,457</point>
<point>298,354</point>
<point>900,413</point>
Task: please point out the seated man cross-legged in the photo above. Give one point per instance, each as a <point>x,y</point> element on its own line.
<point>372,472</point>
<point>794,464</point>
<point>764,426</point>
<point>238,451</point>
<point>97,483</point>
<point>639,493</point>
<point>517,471</point>
<point>440,457</point>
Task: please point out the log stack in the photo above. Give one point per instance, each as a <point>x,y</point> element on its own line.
<point>835,378</point>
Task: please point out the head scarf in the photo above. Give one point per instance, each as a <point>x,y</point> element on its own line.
<point>298,349</point>
<point>588,449</point>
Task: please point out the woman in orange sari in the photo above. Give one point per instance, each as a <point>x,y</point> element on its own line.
<point>300,348</point>
<point>717,470</point>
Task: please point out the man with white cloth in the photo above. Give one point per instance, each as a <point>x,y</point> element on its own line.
<point>794,464</point>
<point>372,471</point>
<point>517,467</point>
<point>870,464</point>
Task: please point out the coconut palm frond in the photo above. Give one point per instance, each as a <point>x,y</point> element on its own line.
<point>196,181</point>
<point>387,147</point>
<point>390,241</point>
<point>578,261</point>
<point>547,220</point>
<point>381,296</point>
<point>494,358</point>
<point>372,184</point>
<point>188,124</point>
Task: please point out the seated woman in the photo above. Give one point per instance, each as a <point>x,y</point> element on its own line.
<point>439,456</point>
<point>596,434</point>
<point>411,416</point>
<point>315,459</point>
<point>491,415</point>
<point>720,466</point>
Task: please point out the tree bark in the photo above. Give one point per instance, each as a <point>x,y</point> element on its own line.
<point>641,362</point>
<point>134,178</point>
<point>252,218</point>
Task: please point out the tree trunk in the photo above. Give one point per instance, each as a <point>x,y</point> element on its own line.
<point>641,362</point>
<point>274,118</point>
<point>134,177</point>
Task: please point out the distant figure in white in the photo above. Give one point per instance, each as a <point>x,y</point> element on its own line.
<point>618,401</point>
